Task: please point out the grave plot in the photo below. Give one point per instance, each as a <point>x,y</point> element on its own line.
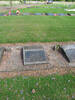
<point>1,52</point>
<point>12,59</point>
<point>34,58</point>
<point>34,55</point>
<point>68,52</point>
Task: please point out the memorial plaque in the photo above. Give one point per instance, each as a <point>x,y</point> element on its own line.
<point>61,14</point>
<point>69,51</point>
<point>34,55</point>
<point>50,14</point>
<point>38,14</point>
<point>26,13</point>
<point>1,14</point>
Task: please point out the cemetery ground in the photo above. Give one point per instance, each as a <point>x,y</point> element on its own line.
<point>44,8</point>
<point>54,83</point>
<point>53,87</point>
<point>20,29</point>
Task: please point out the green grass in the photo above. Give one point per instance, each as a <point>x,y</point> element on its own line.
<point>57,5</point>
<point>48,10</point>
<point>54,87</point>
<point>3,5</point>
<point>20,29</point>
<point>14,29</point>
<point>44,10</point>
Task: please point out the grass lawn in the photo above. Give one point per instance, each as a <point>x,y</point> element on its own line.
<point>58,8</point>
<point>44,10</point>
<point>54,87</point>
<point>69,6</point>
<point>14,29</point>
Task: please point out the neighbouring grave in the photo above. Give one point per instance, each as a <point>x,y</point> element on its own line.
<point>1,52</point>
<point>1,14</point>
<point>72,14</point>
<point>42,14</point>
<point>69,52</point>
<point>27,14</point>
<point>61,14</point>
<point>50,14</point>
<point>34,55</point>
<point>38,14</point>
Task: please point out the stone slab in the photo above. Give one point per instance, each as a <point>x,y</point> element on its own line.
<point>1,52</point>
<point>69,51</point>
<point>34,55</point>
